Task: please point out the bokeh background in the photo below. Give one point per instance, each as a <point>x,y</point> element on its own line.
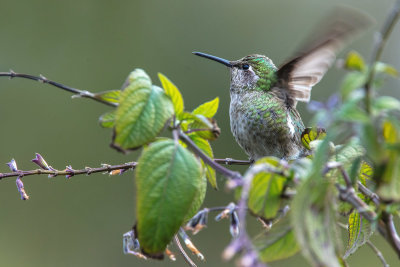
<point>93,45</point>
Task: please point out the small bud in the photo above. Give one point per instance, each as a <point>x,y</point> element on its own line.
<point>117,172</point>
<point>12,165</point>
<point>234,226</point>
<point>21,190</point>
<point>70,171</point>
<point>131,245</point>
<point>226,212</point>
<point>170,255</point>
<point>198,222</point>
<point>39,160</point>
<point>190,245</point>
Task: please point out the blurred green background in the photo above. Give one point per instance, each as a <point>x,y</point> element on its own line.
<point>93,45</point>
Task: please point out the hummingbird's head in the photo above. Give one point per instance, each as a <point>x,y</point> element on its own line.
<point>253,72</point>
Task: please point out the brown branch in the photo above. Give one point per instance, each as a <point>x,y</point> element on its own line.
<point>42,79</point>
<point>229,161</point>
<point>196,150</point>
<point>70,172</point>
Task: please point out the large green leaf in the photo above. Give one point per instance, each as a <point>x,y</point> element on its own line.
<point>205,146</point>
<point>360,230</point>
<point>172,91</point>
<point>265,195</point>
<point>207,109</point>
<point>142,112</point>
<point>278,243</point>
<point>170,185</point>
<point>314,221</point>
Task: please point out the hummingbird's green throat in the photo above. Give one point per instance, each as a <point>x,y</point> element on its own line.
<point>263,115</point>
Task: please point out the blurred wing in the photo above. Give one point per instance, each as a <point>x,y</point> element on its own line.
<point>300,74</point>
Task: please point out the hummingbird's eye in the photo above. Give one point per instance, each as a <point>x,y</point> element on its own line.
<point>245,66</point>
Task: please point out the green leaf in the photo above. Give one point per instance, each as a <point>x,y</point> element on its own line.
<point>310,134</point>
<point>351,82</point>
<point>390,132</point>
<point>385,103</point>
<point>389,188</point>
<point>204,127</point>
<point>354,61</point>
<point>359,230</point>
<point>350,111</point>
<point>107,119</point>
<point>205,146</point>
<point>314,221</point>
<point>172,91</point>
<point>381,67</point>
<point>141,114</point>
<point>207,109</point>
<point>169,182</point>
<point>369,139</point>
<point>278,243</point>
<point>265,195</point>
<point>109,96</point>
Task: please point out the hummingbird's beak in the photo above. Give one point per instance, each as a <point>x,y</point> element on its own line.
<point>218,59</point>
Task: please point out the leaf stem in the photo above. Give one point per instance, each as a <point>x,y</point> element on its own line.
<point>42,79</point>
<point>224,171</point>
<point>378,253</point>
<point>380,41</point>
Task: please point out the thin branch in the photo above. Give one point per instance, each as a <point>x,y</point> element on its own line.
<point>229,161</point>
<point>70,172</point>
<point>392,235</point>
<point>368,193</point>
<point>42,79</point>
<point>224,171</point>
<point>381,39</point>
<point>378,253</point>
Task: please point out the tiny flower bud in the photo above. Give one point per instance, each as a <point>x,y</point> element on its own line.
<point>234,226</point>
<point>170,255</point>
<point>39,160</point>
<point>12,165</point>
<point>228,210</point>
<point>21,190</point>
<point>70,171</point>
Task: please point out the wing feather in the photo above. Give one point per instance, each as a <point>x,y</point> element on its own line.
<point>305,70</point>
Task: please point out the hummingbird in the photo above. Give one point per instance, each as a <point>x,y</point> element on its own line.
<point>263,115</point>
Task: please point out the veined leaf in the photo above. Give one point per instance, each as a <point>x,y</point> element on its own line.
<point>141,114</point>
<point>360,230</point>
<point>205,146</point>
<point>265,195</point>
<point>310,134</point>
<point>109,96</point>
<point>314,221</point>
<point>169,184</point>
<point>278,243</point>
<point>208,109</point>
<point>107,119</point>
<point>172,91</point>
<point>206,128</point>
<point>351,82</point>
